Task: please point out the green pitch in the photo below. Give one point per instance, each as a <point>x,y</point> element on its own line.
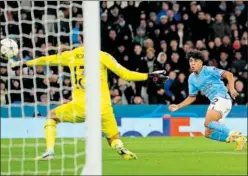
<point>156,155</point>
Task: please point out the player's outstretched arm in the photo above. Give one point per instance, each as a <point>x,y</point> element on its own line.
<point>52,60</point>
<point>229,77</point>
<point>114,66</point>
<point>189,100</point>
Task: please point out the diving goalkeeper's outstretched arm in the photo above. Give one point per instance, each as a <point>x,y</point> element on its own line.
<point>106,59</point>
<point>51,60</point>
<point>110,62</point>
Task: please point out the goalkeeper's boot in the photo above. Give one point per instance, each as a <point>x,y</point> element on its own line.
<point>126,154</point>
<point>233,136</point>
<point>48,155</point>
<point>241,141</point>
<point>121,150</point>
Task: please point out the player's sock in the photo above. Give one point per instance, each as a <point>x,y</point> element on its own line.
<point>116,142</point>
<point>219,136</point>
<point>213,125</point>
<point>50,133</point>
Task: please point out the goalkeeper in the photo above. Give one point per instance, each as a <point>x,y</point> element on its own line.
<point>74,111</point>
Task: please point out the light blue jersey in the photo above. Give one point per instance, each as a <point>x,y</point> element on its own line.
<point>209,82</point>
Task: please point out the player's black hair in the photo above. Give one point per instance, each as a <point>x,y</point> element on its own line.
<point>196,55</point>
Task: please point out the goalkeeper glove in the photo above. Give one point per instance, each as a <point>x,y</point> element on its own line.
<point>16,64</point>
<point>158,77</point>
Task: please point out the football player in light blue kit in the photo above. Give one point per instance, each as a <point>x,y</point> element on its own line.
<point>208,80</point>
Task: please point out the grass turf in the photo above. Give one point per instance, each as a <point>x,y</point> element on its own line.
<point>156,155</point>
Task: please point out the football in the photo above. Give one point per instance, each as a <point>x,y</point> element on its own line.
<point>8,48</point>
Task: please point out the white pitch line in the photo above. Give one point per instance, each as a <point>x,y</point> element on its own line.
<point>191,153</point>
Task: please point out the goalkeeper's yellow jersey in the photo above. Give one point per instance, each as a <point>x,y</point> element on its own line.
<point>74,59</point>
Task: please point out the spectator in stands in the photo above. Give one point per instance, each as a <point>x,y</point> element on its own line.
<point>111,42</point>
<point>153,17</point>
<point>3,71</point>
<point>140,36</point>
<point>124,31</point>
<point>148,44</point>
<point>219,27</point>
<point>201,31</point>
<point>28,83</point>
<point>116,96</point>
<point>242,96</point>
<point>226,45</point>
<point>44,99</point>
<point>238,63</point>
<point>163,12</point>
<point>137,100</point>
<point>150,58</point>
<point>181,35</point>
<point>15,82</point>
<point>200,45</point>
<point>168,86</point>
<point>161,97</point>
<point>174,48</point>
<point>159,64</point>
<point>223,63</point>
<point>105,27</point>
<point>217,44</point>
<point>163,26</point>
<point>54,95</point>
<point>104,8</point>
<point>147,37</point>
<point>127,91</point>
<point>177,14</point>
<point>175,62</point>
<point>179,88</point>
<point>163,47</point>
<point>131,14</point>
<point>167,68</point>
<point>66,89</point>
<point>3,93</point>
<point>114,12</point>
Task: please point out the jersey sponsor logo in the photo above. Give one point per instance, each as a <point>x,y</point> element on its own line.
<point>206,89</point>
<point>79,56</point>
<point>79,72</point>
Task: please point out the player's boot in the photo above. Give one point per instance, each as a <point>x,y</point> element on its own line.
<point>241,141</point>
<point>126,154</point>
<point>233,136</point>
<point>48,155</point>
<point>121,150</point>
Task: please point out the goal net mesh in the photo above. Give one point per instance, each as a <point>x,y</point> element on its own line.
<point>41,28</point>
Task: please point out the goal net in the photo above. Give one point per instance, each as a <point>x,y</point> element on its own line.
<point>41,28</point>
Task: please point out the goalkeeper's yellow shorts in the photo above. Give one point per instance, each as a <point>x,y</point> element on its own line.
<point>74,112</point>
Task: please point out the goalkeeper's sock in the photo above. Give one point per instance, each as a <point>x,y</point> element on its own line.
<point>116,143</point>
<point>50,133</point>
<point>216,126</point>
<point>219,136</point>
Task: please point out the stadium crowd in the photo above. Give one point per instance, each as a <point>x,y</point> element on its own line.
<point>144,37</point>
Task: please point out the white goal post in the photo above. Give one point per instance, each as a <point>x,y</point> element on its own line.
<point>93,165</point>
<point>36,25</point>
